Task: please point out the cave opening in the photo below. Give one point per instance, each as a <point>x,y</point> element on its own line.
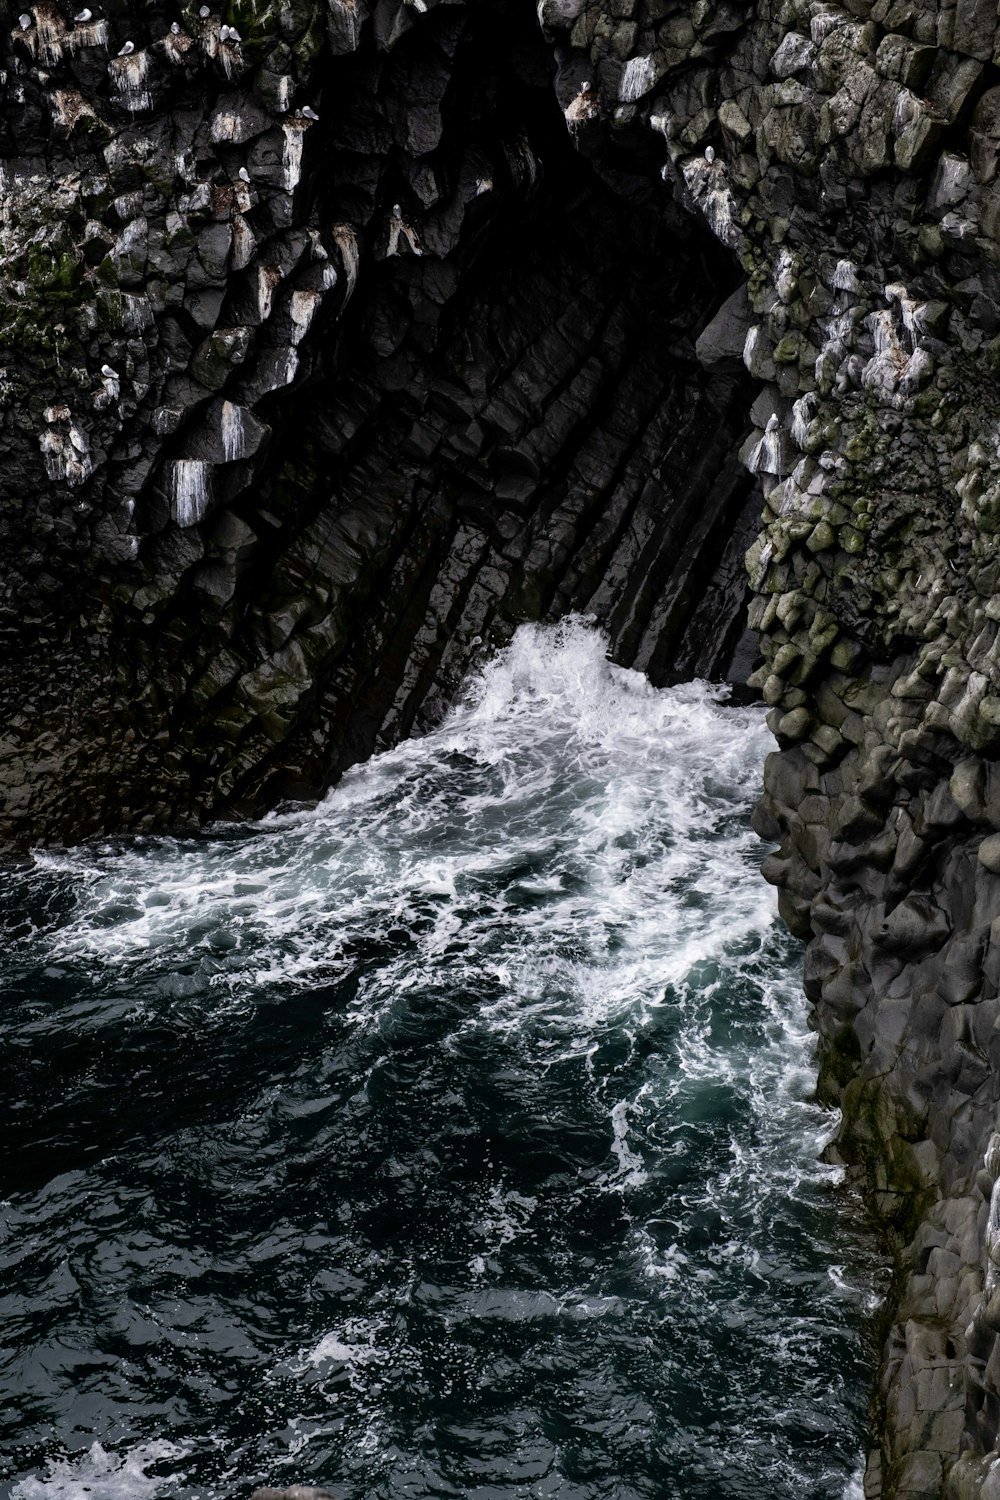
<point>422,368</point>
<point>505,420</point>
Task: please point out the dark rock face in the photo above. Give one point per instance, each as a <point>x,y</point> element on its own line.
<point>338,346</point>
<point>329,360</point>
<point>848,155</point>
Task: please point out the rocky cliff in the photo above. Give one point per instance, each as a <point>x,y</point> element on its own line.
<point>328,359</point>
<point>848,156</point>
<point>340,337</point>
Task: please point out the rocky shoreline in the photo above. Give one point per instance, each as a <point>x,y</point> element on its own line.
<point>342,341</point>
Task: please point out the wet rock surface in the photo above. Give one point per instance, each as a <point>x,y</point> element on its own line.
<point>329,360</point>
<point>339,342</point>
<point>847,155</point>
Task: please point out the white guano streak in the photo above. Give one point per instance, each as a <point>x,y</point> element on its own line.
<point>637,79</point>
<point>189,491</point>
<point>291,156</point>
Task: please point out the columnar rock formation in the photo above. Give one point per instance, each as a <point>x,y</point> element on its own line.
<point>340,337</point>
<point>848,156</point>
<point>327,359</point>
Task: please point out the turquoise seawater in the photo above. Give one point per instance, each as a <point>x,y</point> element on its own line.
<point>450,1138</point>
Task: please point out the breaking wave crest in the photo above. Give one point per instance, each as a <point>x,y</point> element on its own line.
<point>451,1137</point>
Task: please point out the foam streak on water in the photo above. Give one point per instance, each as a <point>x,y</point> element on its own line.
<point>451,1138</point>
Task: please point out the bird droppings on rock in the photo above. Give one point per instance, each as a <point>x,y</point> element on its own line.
<point>425,423</point>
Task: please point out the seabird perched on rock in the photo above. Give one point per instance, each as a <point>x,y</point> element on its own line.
<point>772,453</point>
<point>109,373</point>
<point>127,50</point>
<point>234,35</point>
<point>399,229</point>
<point>308,114</point>
<point>83,17</point>
<point>710,154</point>
<point>583,107</point>
<point>243,174</point>
<point>25,21</point>
<point>204,12</point>
<point>175,29</point>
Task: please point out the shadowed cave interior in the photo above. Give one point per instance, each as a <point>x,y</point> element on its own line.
<point>510,425</point>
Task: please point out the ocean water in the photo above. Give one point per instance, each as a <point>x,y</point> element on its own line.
<point>450,1138</point>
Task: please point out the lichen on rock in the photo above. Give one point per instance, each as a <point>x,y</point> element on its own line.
<point>336,347</point>
<point>847,154</point>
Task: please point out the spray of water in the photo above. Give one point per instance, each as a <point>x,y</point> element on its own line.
<point>467,1142</point>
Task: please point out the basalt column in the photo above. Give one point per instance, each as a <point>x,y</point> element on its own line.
<point>848,156</point>
<point>329,359</point>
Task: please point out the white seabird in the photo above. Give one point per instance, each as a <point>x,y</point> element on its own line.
<point>399,229</point>
<point>127,50</point>
<point>582,108</point>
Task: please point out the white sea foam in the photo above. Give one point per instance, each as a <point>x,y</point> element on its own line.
<point>332,1349</point>
<point>568,861</point>
<point>102,1475</point>
<point>549,714</point>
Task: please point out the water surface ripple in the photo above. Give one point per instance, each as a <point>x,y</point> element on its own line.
<point>451,1138</point>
